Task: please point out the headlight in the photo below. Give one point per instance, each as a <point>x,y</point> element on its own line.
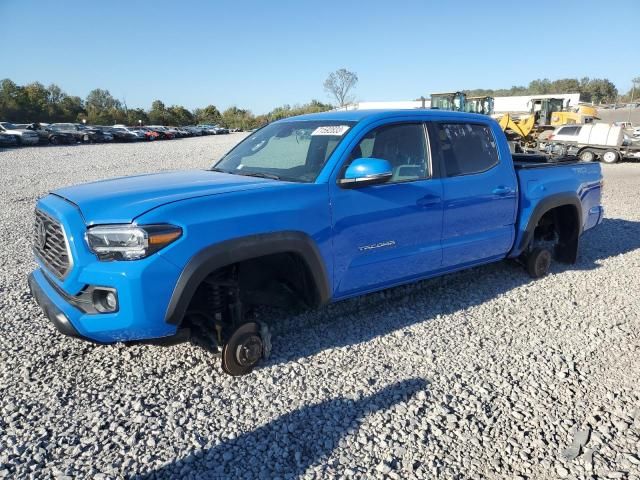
<point>130,242</point>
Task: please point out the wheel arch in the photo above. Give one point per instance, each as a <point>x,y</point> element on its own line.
<point>568,201</point>
<point>233,251</point>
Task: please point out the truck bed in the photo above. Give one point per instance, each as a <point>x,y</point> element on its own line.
<point>534,160</point>
<point>544,182</point>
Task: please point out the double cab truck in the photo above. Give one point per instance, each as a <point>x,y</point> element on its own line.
<point>307,210</point>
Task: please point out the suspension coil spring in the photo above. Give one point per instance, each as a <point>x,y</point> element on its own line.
<point>216,301</point>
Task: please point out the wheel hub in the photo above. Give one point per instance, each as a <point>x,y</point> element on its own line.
<point>243,349</point>
<point>249,350</point>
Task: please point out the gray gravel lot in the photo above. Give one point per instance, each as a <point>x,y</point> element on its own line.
<point>481,374</point>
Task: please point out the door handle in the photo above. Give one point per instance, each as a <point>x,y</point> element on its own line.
<point>428,200</point>
<point>502,191</point>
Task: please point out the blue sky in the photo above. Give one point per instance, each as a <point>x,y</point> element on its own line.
<point>261,54</point>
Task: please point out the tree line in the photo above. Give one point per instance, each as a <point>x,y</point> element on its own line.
<point>36,103</point>
<point>596,90</point>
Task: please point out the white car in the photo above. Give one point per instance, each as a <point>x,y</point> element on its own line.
<point>23,136</point>
<point>566,133</point>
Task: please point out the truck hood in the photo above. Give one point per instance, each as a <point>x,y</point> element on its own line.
<point>121,200</point>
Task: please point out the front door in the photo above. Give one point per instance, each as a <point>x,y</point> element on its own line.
<point>390,233</point>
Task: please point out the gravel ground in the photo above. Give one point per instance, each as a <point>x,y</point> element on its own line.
<point>481,374</point>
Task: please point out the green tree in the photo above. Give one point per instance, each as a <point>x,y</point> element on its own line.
<point>102,108</point>
<point>71,110</point>
<point>540,87</point>
<point>135,115</point>
<point>600,90</point>
<point>180,115</point>
<point>234,117</point>
<point>37,102</point>
<point>208,115</point>
<point>12,101</point>
<point>158,114</point>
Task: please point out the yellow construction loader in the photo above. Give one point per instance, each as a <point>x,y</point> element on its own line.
<point>544,116</point>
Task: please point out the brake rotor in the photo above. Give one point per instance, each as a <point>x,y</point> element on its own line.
<point>244,349</point>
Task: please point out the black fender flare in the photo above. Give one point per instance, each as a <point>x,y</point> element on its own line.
<point>549,203</point>
<point>236,250</point>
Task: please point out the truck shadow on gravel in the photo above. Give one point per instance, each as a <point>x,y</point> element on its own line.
<point>290,444</point>
<point>358,320</point>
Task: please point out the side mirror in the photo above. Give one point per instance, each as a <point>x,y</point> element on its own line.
<point>366,171</point>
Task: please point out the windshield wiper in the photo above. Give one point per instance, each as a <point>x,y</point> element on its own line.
<point>258,174</point>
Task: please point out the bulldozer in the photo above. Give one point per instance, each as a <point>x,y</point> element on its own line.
<point>544,115</point>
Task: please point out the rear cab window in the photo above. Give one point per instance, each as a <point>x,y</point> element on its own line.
<point>464,148</point>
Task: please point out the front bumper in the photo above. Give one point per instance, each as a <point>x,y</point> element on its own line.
<point>59,319</point>
<point>140,314</point>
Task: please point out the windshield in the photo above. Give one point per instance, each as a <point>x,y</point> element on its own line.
<point>294,151</point>
<point>8,126</point>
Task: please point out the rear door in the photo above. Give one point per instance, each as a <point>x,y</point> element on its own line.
<point>389,233</point>
<point>479,193</point>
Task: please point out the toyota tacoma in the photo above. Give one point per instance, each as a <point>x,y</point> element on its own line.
<point>306,210</point>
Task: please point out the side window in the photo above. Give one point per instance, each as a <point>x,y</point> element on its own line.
<point>569,131</point>
<point>402,145</point>
<point>466,148</point>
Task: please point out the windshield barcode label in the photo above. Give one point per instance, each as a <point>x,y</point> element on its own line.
<point>337,130</point>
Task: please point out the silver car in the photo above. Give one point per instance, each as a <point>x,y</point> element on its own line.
<point>23,136</point>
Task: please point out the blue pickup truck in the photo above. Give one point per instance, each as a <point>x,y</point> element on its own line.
<point>307,210</point>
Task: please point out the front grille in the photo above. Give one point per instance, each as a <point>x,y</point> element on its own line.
<point>50,245</point>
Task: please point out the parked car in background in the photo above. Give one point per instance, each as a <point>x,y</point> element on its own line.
<point>215,129</point>
<point>125,134</point>
<point>567,133</point>
<point>8,140</point>
<point>184,132</point>
<point>22,135</point>
<point>177,133</point>
<point>83,133</point>
<point>195,131</point>
<point>48,135</point>
<point>207,129</point>
<point>97,134</point>
<point>149,134</point>
<point>78,133</point>
<point>163,132</point>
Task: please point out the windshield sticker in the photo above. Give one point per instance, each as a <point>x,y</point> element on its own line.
<point>334,130</point>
